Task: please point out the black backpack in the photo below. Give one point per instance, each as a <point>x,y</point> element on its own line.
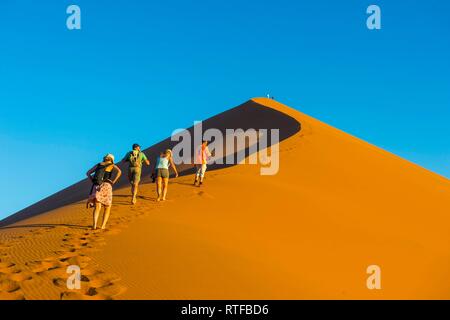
<point>100,174</point>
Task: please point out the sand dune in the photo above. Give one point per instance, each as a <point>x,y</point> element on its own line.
<point>248,115</point>
<point>337,205</point>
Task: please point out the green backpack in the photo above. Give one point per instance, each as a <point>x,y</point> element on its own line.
<point>135,159</point>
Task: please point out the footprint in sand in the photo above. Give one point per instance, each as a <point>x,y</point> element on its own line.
<point>56,267</point>
<point>81,261</point>
<point>89,242</point>
<point>95,285</point>
<point>21,276</point>
<point>7,267</point>
<point>10,289</point>
<point>50,265</point>
<point>10,274</point>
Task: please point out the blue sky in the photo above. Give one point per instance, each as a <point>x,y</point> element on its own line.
<point>139,69</point>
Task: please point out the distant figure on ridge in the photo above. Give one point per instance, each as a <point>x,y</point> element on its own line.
<point>102,191</point>
<point>202,157</point>
<point>135,159</point>
<point>162,173</point>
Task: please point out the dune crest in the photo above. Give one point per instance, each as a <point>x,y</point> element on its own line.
<point>337,206</point>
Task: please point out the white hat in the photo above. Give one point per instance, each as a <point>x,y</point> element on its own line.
<point>110,156</point>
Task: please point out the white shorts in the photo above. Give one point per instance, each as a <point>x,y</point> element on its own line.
<point>201,169</point>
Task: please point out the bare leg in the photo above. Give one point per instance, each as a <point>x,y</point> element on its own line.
<point>196,175</point>
<point>202,171</point>
<point>134,191</point>
<point>106,216</point>
<point>165,187</point>
<point>158,188</point>
<point>98,207</point>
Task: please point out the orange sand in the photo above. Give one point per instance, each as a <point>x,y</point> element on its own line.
<point>336,206</point>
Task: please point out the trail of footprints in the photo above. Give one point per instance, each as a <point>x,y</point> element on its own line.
<point>75,247</point>
<point>95,284</point>
<point>11,276</point>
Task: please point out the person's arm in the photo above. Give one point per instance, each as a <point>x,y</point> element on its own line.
<point>197,155</point>
<point>119,173</point>
<point>147,162</point>
<point>91,171</point>
<point>173,166</point>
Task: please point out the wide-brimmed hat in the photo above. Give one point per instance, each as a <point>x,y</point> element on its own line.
<point>110,156</point>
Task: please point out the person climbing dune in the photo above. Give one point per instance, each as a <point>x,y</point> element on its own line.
<point>163,163</point>
<point>202,156</point>
<point>135,158</point>
<point>102,192</point>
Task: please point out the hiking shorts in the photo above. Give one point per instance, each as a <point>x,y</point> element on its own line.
<point>134,175</point>
<point>201,169</point>
<point>162,173</point>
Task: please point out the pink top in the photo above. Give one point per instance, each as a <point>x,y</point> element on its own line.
<point>202,155</point>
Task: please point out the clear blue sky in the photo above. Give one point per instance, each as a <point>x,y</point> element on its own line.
<point>139,69</point>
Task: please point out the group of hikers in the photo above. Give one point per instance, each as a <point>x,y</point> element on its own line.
<point>101,175</point>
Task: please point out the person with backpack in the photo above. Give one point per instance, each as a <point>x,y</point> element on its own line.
<point>102,192</point>
<point>202,156</point>
<point>163,163</point>
<point>135,158</point>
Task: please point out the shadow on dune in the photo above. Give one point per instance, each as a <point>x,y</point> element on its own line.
<point>46,225</point>
<point>249,115</point>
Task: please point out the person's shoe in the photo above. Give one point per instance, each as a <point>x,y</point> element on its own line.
<point>201,182</point>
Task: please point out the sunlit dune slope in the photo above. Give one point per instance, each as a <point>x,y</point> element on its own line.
<point>336,206</point>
